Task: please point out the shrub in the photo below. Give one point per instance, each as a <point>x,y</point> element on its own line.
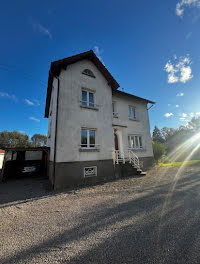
<point>158,150</point>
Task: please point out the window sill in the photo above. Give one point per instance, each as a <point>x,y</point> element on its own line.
<point>89,107</point>
<point>133,119</point>
<point>89,150</point>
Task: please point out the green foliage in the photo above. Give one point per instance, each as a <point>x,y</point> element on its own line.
<point>167,133</point>
<point>176,163</point>
<point>158,150</point>
<point>16,139</point>
<point>194,124</point>
<point>157,136</point>
<point>38,140</point>
<point>13,139</point>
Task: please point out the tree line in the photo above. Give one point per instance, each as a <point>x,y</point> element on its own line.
<point>16,139</point>
<point>166,140</point>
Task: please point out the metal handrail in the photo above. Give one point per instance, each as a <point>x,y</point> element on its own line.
<point>118,156</point>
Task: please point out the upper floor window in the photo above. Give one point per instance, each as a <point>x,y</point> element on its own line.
<point>87,98</point>
<point>89,73</point>
<point>87,138</point>
<point>115,114</point>
<point>135,142</point>
<point>132,112</point>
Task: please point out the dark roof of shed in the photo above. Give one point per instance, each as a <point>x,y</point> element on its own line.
<point>57,66</point>
<point>121,93</point>
<point>27,149</point>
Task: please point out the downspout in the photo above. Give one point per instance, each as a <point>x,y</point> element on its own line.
<point>55,139</point>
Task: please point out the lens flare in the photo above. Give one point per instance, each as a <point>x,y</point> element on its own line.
<point>192,143</point>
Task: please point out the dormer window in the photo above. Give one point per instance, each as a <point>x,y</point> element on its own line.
<point>89,73</point>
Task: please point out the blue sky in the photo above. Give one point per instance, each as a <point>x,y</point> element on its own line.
<point>150,47</point>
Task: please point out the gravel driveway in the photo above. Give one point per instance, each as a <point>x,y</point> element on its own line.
<point>154,219</point>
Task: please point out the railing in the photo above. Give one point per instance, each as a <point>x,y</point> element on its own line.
<point>121,156</point>
<point>133,159</point>
<point>118,156</point>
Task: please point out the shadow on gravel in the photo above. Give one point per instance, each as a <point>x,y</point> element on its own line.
<point>137,231</point>
<point>23,190</point>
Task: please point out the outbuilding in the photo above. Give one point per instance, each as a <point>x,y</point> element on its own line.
<point>25,162</point>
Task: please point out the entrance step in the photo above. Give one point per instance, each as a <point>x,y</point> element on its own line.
<point>128,170</point>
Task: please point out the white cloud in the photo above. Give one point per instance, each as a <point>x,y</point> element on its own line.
<point>177,106</point>
<point>28,102</point>
<point>183,115</point>
<point>180,94</point>
<point>168,114</point>
<point>180,6</point>
<point>36,102</point>
<point>98,52</point>
<point>180,70</point>
<point>43,30</point>
<point>8,96</point>
<point>32,103</point>
<point>34,119</point>
<point>197,113</point>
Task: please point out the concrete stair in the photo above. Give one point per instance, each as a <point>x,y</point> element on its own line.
<point>129,170</point>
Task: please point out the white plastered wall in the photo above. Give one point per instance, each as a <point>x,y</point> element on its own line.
<point>52,119</point>
<point>138,127</point>
<point>72,117</point>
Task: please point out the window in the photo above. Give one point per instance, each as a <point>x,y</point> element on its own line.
<point>87,99</point>
<point>87,138</point>
<point>132,112</point>
<point>90,171</point>
<point>89,73</point>
<point>135,142</point>
<point>115,114</point>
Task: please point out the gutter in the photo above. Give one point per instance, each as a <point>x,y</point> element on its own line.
<point>150,107</point>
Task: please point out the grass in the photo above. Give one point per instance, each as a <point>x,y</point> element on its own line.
<point>179,163</point>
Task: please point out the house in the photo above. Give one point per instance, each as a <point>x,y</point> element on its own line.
<point>94,129</point>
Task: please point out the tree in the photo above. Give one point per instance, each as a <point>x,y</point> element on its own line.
<point>157,136</point>
<point>194,124</point>
<point>158,150</point>
<point>13,139</point>
<point>166,133</point>
<point>39,140</point>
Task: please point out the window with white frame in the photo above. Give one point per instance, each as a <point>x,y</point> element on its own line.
<point>87,98</point>
<point>132,112</point>
<point>90,171</point>
<point>135,142</point>
<point>88,138</point>
<point>115,114</point>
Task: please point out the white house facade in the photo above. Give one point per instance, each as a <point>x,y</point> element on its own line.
<point>93,127</point>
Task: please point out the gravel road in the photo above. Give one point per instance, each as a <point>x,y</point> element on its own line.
<point>153,219</point>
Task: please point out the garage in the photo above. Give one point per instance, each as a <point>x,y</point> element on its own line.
<point>20,163</point>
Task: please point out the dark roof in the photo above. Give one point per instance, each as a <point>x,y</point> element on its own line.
<point>133,96</point>
<point>27,149</point>
<point>57,66</point>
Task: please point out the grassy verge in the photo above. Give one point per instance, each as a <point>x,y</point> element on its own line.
<point>177,163</point>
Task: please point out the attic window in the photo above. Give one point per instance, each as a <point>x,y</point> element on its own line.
<point>89,73</point>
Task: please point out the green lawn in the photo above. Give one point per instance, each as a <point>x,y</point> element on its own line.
<point>176,163</point>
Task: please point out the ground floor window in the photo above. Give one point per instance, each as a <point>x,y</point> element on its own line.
<point>87,138</point>
<point>90,171</point>
<point>135,141</point>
